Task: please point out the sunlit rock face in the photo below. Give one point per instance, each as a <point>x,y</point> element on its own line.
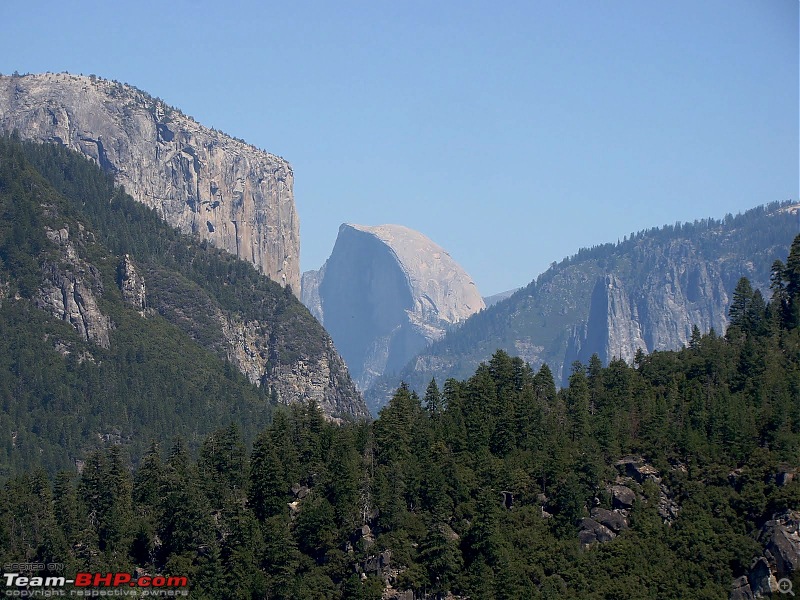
<point>384,294</point>
<point>200,180</point>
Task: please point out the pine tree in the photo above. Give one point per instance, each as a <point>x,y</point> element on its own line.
<point>268,489</point>
<point>440,555</point>
<point>740,307</point>
<point>222,463</point>
<point>578,402</point>
<point>65,505</point>
<point>792,278</point>
<point>544,384</point>
<point>433,399</point>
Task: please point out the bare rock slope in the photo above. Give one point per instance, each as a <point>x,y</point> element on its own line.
<point>384,294</point>
<point>198,179</point>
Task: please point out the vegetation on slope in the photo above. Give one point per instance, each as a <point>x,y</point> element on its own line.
<point>718,420</point>
<point>164,373</point>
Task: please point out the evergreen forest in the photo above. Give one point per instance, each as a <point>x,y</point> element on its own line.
<point>492,487</point>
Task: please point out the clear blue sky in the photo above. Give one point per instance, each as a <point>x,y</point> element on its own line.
<point>511,133</point>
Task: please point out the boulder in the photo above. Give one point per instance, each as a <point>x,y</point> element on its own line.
<point>781,538</point>
<point>609,518</point>
<point>636,468</point>
<point>622,496</point>
<point>591,531</point>
<point>377,563</point>
<point>762,581</point>
<point>741,589</point>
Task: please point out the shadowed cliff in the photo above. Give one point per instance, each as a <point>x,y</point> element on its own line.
<point>384,294</point>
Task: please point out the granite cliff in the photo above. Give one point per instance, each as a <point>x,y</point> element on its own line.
<point>198,179</point>
<point>385,293</point>
<point>646,293</point>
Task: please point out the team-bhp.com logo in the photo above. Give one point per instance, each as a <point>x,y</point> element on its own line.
<point>19,585</point>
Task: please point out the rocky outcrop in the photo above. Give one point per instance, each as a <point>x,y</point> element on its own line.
<point>592,532</point>
<point>384,294</point>
<point>251,346</point>
<point>204,182</point>
<point>310,292</point>
<point>772,571</point>
<point>655,314</point>
<point>622,496</point>
<point>637,469</point>
<point>741,589</point>
<point>780,537</point>
<point>614,520</point>
<point>131,284</point>
<point>761,579</point>
<point>69,291</point>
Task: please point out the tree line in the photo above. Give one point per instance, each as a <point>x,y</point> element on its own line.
<point>477,488</point>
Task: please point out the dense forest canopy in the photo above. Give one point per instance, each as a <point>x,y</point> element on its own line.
<point>657,479</point>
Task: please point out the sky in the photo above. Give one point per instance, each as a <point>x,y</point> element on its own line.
<point>510,133</point>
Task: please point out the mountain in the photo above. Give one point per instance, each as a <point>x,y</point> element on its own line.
<point>117,328</point>
<point>495,298</point>
<point>646,293</point>
<point>384,294</point>
<point>198,179</point>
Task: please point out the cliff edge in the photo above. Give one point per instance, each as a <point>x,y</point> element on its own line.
<point>199,180</point>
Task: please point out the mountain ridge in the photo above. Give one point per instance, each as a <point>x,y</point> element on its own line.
<point>548,320</point>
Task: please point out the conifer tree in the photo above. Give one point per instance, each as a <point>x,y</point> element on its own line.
<point>65,504</point>
<point>433,399</point>
<point>222,465</point>
<point>268,488</point>
<point>578,402</point>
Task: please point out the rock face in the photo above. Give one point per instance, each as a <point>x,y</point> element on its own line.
<point>646,292</point>
<point>260,328</point>
<point>384,294</point>
<point>309,284</point>
<point>322,378</point>
<point>204,182</point>
<point>131,284</point>
<point>70,289</point>
<point>657,313</point>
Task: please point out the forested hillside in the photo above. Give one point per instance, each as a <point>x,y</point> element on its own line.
<point>116,329</point>
<point>673,477</point>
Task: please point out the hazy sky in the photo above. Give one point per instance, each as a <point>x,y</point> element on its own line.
<point>511,133</point>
